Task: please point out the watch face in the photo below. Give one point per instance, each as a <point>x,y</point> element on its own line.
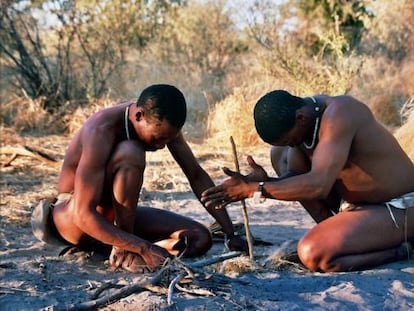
<point>262,198</point>
<point>261,184</point>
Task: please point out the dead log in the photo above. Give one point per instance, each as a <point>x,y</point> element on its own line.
<point>27,152</point>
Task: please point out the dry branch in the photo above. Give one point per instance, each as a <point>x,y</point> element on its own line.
<point>116,295</point>
<point>148,283</point>
<point>243,203</point>
<point>171,287</point>
<point>212,260</point>
<point>188,272</point>
<point>28,152</point>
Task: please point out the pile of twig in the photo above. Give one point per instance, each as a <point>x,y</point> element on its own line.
<point>184,273</point>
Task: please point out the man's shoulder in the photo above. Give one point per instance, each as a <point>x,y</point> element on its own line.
<point>346,105</point>
<point>346,112</point>
<point>343,100</point>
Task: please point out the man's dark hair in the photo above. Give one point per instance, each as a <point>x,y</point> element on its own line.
<point>275,114</point>
<point>163,101</point>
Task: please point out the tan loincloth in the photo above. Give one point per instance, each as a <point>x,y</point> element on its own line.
<point>402,202</point>
<point>43,227</point>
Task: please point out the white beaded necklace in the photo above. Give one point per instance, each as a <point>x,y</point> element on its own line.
<point>126,122</point>
<point>315,131</point>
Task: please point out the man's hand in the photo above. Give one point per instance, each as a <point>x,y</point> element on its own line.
<point>232,189</point>
<point>258,173</point>
<point>235,188</point>
<point>236,243</point>
<point>155,256</point>
<point>130,262</point>
<point>149,261</point>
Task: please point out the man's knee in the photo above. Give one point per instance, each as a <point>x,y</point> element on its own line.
<point>198,242</point>
<point>312,254</point>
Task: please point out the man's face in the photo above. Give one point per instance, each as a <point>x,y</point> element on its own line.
<point>293,138</point>
<point>155,134</point>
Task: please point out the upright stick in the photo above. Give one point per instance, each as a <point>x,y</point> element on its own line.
<point>243,203</point>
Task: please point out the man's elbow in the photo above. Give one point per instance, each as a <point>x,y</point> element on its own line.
<point>321,191</point>
<point>81,219</point>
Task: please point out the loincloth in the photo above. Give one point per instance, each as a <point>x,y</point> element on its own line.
<point>43,227</point>
<point>402,202</point>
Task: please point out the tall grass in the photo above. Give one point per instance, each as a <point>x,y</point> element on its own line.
<point>233,116</point>
<point>77,118</point>
<point>405,134</point>
<point>28,115</point>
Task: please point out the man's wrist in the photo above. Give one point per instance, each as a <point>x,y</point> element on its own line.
<point>231,235</point>
<point>258,195</point>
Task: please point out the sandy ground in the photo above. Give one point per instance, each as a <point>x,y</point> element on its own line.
<point>33,276</point>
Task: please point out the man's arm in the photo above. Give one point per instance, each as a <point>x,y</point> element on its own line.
<point>198,179</point>
<point>89,183</point>
<point>329,157</point>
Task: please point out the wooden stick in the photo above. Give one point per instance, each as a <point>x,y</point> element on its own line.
<point>146,284</point>
<point>177,279</point>
<point>243,203</point>
<point>28,152</point>
<point>116,295</point>
<point>198,264</point>
<point>215,259</point>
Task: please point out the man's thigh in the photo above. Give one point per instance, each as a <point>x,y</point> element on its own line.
<point>364,229</point>
<point>155,224</point>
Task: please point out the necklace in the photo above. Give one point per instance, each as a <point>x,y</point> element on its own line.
<point>315,131</point>
<point>126,122</point>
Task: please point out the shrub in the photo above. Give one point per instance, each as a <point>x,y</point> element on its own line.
<point>233,116</point>
<point>28,115</point>
<point>405,134</point>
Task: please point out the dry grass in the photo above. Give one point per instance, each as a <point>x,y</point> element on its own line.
<point>405,134</point>
<point>28,115</point>
<point>385,110</point>
<point>233,116</point>
<point>237,266</point>
<point>384,86</point>
<point>75,120</point>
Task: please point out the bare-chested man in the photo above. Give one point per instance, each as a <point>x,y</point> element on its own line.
<point>344,167</point>
<point>102,176</point>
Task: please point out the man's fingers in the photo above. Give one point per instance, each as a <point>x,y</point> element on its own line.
<point>252,163</point>
<point>135,264</point>
<point>116,258</point>
<point>228,171</point>
<point>212,192</point>
<point>213,201</point>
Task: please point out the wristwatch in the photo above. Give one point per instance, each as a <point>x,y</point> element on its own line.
<point>258,196</point>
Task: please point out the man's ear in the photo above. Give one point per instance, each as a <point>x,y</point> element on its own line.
<point>139,114</point>
<point>301,116</point>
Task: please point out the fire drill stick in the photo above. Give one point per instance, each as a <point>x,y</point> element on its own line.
<point>243,203</point>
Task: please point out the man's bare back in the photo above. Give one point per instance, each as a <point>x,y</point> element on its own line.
<point>376,169</point>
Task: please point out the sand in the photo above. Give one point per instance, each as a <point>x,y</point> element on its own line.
<point>33,276</point>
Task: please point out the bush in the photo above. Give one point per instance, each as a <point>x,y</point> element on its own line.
<point>405,134</point>
<point>233,116</point>
<point>28,115</point>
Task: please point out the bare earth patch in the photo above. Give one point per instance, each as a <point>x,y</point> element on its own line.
<point>33,276</point>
